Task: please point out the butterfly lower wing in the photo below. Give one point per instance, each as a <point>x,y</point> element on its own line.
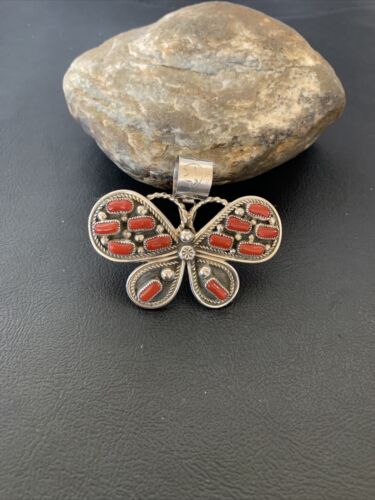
<point>213,282</point>
<point>155,284</point>
<point>246,230</point>
<point>124,226</point>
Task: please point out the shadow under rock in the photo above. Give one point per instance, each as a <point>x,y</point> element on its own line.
<point>287,186</point>
<point>103,176</point>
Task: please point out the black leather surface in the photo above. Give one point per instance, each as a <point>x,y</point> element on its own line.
<point>270,398</point>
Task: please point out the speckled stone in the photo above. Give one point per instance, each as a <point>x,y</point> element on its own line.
<point>215,81</point>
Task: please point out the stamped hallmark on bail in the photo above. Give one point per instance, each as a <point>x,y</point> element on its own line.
<point>125,226</point>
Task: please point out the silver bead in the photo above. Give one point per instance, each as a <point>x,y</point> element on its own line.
<point>220,228</point>
<point>104,240</point>
<point>159,228</point>
<point>186,235</point>
<point>268,246</point>
<point>141,210</point>
<point>124,218</point>
<point>167,274</point>
<point>233,251</point>
<point>251,238</point>
<point>140,250</point>
<point>127,234</point>
<point>272,220</point>
<point>239,211</point>
<point>139,238</point>
<point>238,237</point>
<point>253,221</point>
<point>102,215</point>
<point>204,272</point>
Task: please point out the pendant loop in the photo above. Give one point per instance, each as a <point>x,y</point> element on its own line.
<point>192,179</point>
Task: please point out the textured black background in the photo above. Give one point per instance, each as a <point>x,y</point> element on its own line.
<point>270,398</point>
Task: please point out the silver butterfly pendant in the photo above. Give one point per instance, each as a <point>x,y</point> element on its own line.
<point>125,226</point>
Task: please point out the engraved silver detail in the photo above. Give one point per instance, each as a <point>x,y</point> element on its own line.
<point>192,178</point>
<point>187,252</point>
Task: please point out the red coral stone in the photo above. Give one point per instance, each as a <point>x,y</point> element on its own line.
<point>267,232</point>
<point>221,241</point>
<point>217,289</point>
<point>258,210</point>
<point>237,224</point>
<point>141,223</point>
<point>121,247</point>
<point>150,291</point>
<point>158,242</point>
<point>107,227</point>
<point>251,249</point>
<point>116,206</point>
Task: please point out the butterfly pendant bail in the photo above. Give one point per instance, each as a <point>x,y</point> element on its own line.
<point>125,226</point>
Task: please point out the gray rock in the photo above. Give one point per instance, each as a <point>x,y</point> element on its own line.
<point>215,81</point>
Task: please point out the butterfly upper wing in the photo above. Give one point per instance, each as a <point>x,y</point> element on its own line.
<point>246,230</point>
<point>124,226</point>
<point>214,283</point>
<point>155,284</point>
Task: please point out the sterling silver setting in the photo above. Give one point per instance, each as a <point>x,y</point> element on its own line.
<point>125,226</point>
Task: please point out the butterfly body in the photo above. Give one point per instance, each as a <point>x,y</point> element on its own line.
<point>125,226</point>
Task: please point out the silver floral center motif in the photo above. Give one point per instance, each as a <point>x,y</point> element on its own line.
<point>187,252</point>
